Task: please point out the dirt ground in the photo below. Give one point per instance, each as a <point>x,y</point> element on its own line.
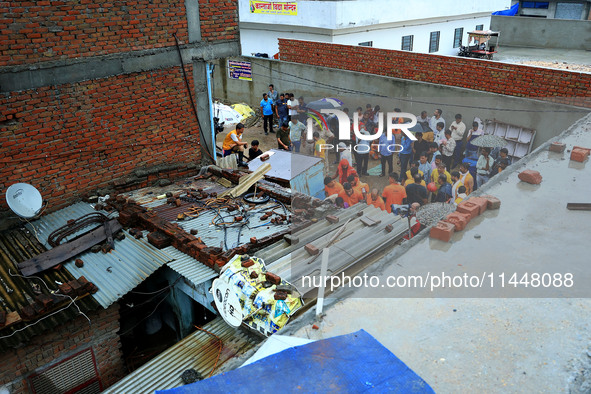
<point>270,142</point>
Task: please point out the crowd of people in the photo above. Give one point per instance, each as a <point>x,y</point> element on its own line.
<point>431,169</point>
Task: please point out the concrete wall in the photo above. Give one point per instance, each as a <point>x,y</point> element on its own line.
<point>542,33</point>
<point>358,89</point>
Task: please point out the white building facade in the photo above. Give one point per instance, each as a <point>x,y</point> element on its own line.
<point>425,26</point>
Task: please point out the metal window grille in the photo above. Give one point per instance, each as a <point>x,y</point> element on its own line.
<point>75,374</point>
<point>458,33</point>
<point>434,42</point>
<point>407,43</point>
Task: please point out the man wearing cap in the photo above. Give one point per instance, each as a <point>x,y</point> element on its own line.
<point>233,144</point>
<point>345,152</point>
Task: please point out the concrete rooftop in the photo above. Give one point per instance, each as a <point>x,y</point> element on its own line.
<point>486,340</point>
<point>576,60</point>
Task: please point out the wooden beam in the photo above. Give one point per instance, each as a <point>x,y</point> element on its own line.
<point>66,251</point>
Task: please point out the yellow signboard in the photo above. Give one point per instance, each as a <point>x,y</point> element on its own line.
<point>273,7</point>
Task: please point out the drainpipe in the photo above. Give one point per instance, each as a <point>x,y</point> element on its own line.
<point>209,72</point>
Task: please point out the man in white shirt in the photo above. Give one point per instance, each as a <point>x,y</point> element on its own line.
<point>436,118</point>
<point>458,130</point>
<point>296,132</point>
<point>292,105</point>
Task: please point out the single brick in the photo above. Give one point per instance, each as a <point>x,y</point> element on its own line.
<point>271,277</point>
<point>579,155</point>
<point>247,263</point>
<point>481,202</point>
<point>530,176</point>
<point>459,220</point>
<point>280,295</point>
<point>332,218</point>
<point>557,147</point>
<point>79,263</point>
<point>470,208</point>
<point>389,228</point>
<point>311,249</point>
<point>291,239</point>
<point>442,231</point>
<point>254,275</point>
<point>493,202</point>
<point>253,240</point>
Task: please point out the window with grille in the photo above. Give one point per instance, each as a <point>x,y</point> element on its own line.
<point>407,43</point>
<point>458,33</point>
<point>75,374</point>
<point>479,27</point>
<point>535,4</point>
<point>434,42</point>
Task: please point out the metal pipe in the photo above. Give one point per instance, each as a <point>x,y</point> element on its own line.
<point>209,72</point>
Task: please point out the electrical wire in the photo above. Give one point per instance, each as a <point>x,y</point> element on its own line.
<point>56,292</point>
<point>192,101</point>
<point>221,345</point>
<point>141,321</point>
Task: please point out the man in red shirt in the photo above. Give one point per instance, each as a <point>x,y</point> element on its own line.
<point>349,195</point>
<point>394,193</point>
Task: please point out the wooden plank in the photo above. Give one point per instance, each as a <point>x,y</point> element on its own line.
<point>66,251</point>
<point>247,181</point>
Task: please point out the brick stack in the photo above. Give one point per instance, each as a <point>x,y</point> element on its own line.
<point>510,79</point>
<point>466,211</point>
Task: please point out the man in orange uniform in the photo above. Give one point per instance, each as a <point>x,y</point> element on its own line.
<point>358,186</point>
<point>349,195</point>
<point>394,193</point>
<point>375,200</point>
<point>332,187</point>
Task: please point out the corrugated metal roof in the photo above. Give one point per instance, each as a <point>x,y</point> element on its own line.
<point>188,267</point>
<point>214,236</point>
<point>16,291</point>
<point>198,351</point>
<point>114,273</point>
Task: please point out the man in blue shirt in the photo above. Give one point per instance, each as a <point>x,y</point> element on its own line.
<point>405,153</point>
<point>445,191</point>
<point>267,113</point>
<point>281,109</point>
<point>387,148</point>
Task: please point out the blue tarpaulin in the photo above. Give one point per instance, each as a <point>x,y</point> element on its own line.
<point>510,12</point>
<point>349,363</point>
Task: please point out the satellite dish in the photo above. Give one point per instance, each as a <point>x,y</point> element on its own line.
<point>227,302</point>
<point>24,200</point>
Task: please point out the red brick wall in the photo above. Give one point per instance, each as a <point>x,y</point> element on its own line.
<point>38,31</point>
<point>509,79</point>
<point>219,19</point>
<point>71,139</point>
<point>71,337</point>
